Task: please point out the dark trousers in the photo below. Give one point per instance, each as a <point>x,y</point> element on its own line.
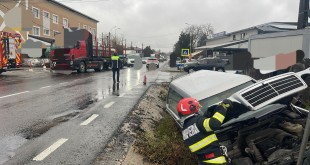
<point>115,70</point>
<point>115,87</point>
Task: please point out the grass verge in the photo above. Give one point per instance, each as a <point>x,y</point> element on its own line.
<point>164,145</point>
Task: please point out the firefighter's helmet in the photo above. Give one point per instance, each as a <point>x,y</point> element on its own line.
<point>188,106</point>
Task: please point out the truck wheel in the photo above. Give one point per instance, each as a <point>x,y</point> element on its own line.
<point>82,67</point>
<point>100,68</point>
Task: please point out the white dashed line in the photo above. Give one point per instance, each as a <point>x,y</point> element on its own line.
<point>45,87</point>
<point>63,83</point>
<point>49,150</point>
<point>122,95</point>
<point>90,119</point>
<point>109,104</point>
<point>13,94</point>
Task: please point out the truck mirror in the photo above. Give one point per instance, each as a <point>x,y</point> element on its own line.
<point>77,45</point>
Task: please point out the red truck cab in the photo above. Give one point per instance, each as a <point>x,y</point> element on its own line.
<point>78,55</point>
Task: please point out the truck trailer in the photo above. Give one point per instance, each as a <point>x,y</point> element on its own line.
<point>79,53</point>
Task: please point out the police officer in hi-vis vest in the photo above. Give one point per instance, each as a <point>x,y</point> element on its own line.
<point>116,65</point>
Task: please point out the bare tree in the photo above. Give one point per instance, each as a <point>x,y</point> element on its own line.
<point>199,34</point>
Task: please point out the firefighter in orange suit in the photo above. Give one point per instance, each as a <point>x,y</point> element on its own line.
<point>198,130</point>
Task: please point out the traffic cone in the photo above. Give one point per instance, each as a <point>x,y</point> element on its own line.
<point>144,80</point>
<point>44,67</point>
<point>30,67</point>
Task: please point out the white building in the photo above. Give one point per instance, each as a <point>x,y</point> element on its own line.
<point>225,43</point>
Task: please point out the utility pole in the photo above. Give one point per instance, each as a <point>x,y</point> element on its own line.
<point>190,40</point>
<point>122,46</point>
<point>109,44</point>
<point>303,14</point>
<point>106,46</point>
<point>96,42</point>
<point>190,43</point>
<point>125,47</point>
<point>142,50</point>
<point>102,44</point>
<point>131,45</point>
<point>115,36</point>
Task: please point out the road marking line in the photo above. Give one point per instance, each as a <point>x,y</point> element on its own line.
<point>109,104</point>
<point>13,94</point>
<point>45,87</point>
<point>63,83</point>
<point>49,150</point>
<point>90,119</point>
<point>122,95</point>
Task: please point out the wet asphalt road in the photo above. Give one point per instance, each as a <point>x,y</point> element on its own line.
<point>65,119</point>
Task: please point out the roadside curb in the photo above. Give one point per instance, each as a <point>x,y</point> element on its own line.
<point>167,68</point>
<point>115,136</point>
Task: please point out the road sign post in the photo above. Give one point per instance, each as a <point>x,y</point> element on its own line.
<point>185,52</point>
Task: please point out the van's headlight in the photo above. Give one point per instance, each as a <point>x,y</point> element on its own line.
<point>71,62</point>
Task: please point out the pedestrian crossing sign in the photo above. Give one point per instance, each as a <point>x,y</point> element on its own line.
<point>185,52</point>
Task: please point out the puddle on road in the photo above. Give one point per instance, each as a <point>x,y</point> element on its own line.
<point>82,103</point>
<point>85,101</point>
<point>41,127</point>
<point>8,146</point>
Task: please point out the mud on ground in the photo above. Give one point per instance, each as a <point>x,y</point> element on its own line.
<point>144,115</point>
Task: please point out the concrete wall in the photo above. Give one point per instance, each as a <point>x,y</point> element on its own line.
<point>272,46</point>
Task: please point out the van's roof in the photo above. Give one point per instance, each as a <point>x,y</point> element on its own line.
<point>190,85</point>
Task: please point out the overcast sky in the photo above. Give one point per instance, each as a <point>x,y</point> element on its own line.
<point>158,23</point>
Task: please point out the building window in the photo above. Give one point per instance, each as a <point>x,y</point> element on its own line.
<point>46,31</point>
<point>65,22</point>
<point>234,37</point>
<point>79,26</point>
<point>36,12</point>
<point>84,26</point>
<point>89,28</point>
<point>55,19</point>
<point>94,31</point>
<point>36,31</point>
<point>243,35</point>
<point>46,14</point>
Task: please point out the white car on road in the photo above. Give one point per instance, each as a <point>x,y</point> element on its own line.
<point>130,61</point>
<point>152,61</point>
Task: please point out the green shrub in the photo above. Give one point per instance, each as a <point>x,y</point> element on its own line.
<point>165,145</point>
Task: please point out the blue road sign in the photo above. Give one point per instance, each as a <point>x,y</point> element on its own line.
<point>185,52</point>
